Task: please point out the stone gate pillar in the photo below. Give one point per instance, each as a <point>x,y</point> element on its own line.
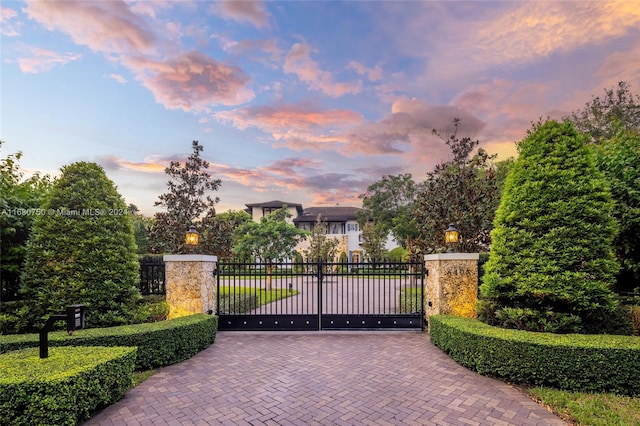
<point>190,284</point>
<point>452,284</point>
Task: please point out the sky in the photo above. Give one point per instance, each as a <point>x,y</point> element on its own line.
<point>306,102</point>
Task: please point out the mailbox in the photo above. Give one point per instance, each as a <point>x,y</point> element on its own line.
<point>74,316</point>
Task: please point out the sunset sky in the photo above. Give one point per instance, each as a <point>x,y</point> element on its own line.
<point>305,101</point>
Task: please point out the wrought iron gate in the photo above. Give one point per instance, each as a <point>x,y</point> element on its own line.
<point>320,295</point>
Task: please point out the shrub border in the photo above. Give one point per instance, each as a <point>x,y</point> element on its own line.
<point>159,344</point>
<point>576,362</point>
<point>58,394</point>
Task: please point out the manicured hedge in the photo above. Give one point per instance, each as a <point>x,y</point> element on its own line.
<point>160,343</point>
<point>64,388</point>
<point>591,363</point>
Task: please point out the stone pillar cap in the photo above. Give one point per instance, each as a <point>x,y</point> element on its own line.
<point>452,256</point>
<point>189,258</point>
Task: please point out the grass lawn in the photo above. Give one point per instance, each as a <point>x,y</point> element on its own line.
<point>239,300</point>
<point>589,409</point>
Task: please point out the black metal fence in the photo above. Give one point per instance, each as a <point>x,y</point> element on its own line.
<point>152,276</point>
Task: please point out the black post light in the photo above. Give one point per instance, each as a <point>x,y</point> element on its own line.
<point>451,236</point>
<point>191,239</point>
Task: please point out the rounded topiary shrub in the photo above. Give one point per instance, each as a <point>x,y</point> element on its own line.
<point>82,251</point>
<point>551,264</point>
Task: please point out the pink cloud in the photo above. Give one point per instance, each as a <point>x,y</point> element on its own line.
<point>276,119</point>
<point>253,12</point>
<point>405,131</point>
<point>149,165</point>
<point>40,60</point>
<point>298,61</point>
<point>191,81</point>
<point>372,74</point>
<point>264,51</point>
<point>8,27</point>
<point>103,26</point>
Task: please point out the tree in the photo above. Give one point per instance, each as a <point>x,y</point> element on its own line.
<point>270,240</point>
<point>82,251</point>
<point>20,201</point>
<point>141,226</point>
<point>601,118</point>
<point>374,238</point>
<point>185,203</point>
<point>217,232</point>
<point>619,159</point>
<point>464,191</point>
<point>551,263</point>
<point>389,203</point>
<point>613,123</point>
<point>320,246</point>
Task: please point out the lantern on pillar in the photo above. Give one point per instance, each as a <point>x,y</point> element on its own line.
<point>191,239</point>
<point>451,237</point>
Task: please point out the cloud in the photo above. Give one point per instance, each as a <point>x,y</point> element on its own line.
<point>276,119</point>
<point>469,40</point>
<point>191,81</point>
<point>8,27</point>
<point>117,77</point>
<point>619,66</point>
<point>264,51</point>
<point>150,165</point>
<point>372,74</point>
<point>298,61</point>
<point>103,26</point>
<point>41,60</point>
<point>408,128</point>
<point>253,12</point>
<point>538,29</point>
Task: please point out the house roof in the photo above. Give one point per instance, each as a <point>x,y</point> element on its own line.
<point>329,214</point>
<point>275,204</point>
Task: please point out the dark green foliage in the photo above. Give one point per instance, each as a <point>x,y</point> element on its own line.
<point>20,202</point>
<point>374,239</point>
<point>320,245</point>
<point>186,201</point>
<point>65,388</point>
<point>82,251</point>
<point>151,308</point>
<point>602,117</point>
<point>159,344</point>
<point>238,303</point>
<point>551,264</point>
<point>217,232</point>
<point>399,254</point>
<point>389,203</point>
<point>14,317</point>
<point>575,362</point>
<point>141,226</point>
<point>272,239</point>
<point>619,159</point>
<point>464,191</point>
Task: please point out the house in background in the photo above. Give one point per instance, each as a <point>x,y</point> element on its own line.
<point>341,224</point>
<point>260,210</point>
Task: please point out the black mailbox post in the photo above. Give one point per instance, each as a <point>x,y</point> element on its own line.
<point>74,317</point>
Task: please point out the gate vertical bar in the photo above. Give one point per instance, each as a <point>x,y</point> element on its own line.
<point>320,278</point>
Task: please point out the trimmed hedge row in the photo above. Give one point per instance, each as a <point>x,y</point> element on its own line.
<point>159,344</point>
<point>576,362</point>
<point>64,388</point>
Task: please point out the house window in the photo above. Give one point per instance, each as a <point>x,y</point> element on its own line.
<point>352,227</point>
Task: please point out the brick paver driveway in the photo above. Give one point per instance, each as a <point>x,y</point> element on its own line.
<point>322,378</point>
